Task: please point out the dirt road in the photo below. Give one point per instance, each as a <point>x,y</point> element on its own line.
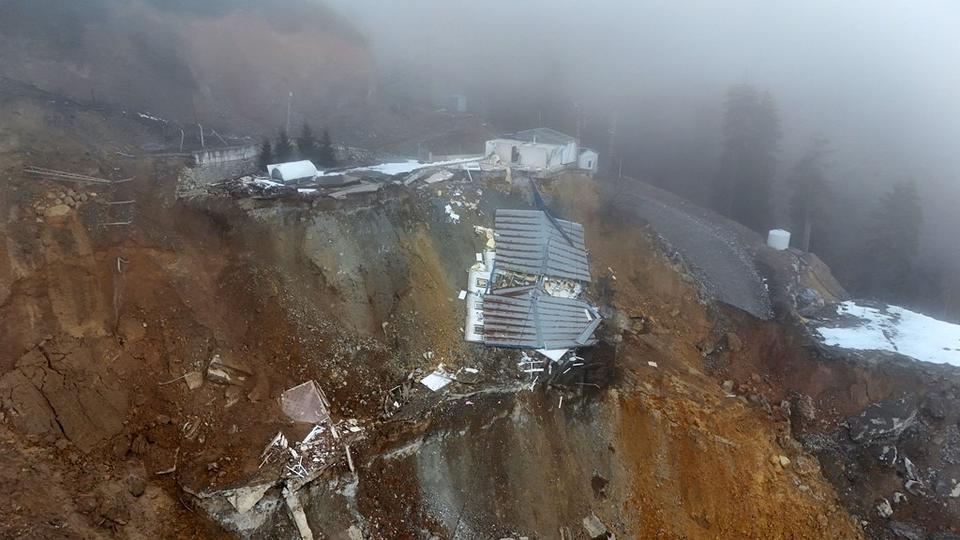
<point>717,250</point>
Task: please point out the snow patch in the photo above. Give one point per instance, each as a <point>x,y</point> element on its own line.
<point>896,329</point>
<point>401,167</point>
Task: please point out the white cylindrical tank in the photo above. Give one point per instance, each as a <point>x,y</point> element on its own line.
<point>778,239</point>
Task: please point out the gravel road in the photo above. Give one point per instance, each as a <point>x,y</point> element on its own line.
<point>719,251</point>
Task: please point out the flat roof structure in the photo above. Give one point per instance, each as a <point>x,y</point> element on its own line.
<point>533,242</point>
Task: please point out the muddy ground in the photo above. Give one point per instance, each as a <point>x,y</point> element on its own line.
<point>106,439</point>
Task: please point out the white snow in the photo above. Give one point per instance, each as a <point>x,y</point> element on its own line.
<point>896,330</point>
<point>402,167</point>
<point>266,182</point>
<point>148,117</point>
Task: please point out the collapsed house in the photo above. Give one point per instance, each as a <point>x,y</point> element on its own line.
<point>527,291</point>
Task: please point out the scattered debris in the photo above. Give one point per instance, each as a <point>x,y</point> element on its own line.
<point>222,372</point>
<point>595,528</point>
<point>305,403</point>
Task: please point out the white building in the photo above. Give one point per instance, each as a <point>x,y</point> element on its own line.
<point>537,149</point>
<point>588,160</point>
<point>293,171</point>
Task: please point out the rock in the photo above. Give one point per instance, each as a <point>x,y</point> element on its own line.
<point>57,210</point>
<point>136,484</point>
<point>194,379</point>
<point>62,444</point>
<point>734,344</point>
<point>809,302</point>
<point>70,201</point>
<point>245,498</point>
<point>594,527</point>
<point>905,530</point>
<point>804,410</point>
<point>784,461</point>
<point>139,445</point>
<point>354,533</point>
<point>914,487</point>
<point>727,386</point>
<point>884,420</point>
<point>884,509</point>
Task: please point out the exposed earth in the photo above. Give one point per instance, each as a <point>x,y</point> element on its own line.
<point>707,411</point>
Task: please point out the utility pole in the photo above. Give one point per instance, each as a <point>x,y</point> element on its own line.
<point>201,135</point>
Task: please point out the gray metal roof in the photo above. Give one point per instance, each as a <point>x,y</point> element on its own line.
<point>531,319</point>
<point>531,242</point>
<point>542,135</point>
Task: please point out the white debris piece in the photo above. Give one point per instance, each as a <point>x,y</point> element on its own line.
<point>454,217</point>
<point>896,329</point>
<point>245,498</point>
<point>554,354</point>
<point>305,403</point>
<point>462,295</point>
<point>438,176</point>
<point>437,380</point>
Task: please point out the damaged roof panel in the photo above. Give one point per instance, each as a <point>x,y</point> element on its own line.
<point>530,242</point>
<point>531,319</point>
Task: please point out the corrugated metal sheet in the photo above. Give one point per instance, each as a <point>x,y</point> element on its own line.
<point>529,241</point>
<point>532,319</point>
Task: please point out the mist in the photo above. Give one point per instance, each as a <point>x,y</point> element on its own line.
<point>878,80</point>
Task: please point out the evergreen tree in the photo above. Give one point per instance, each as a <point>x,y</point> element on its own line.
<point>326,156</point>
<point>751,133</point>
<point>266,154</point>
<point>307,143</point>
<point>283,149</point>
<point>891,249</point>
<point>810,195</point>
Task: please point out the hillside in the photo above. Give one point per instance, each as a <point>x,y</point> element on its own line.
<point>229,65</point>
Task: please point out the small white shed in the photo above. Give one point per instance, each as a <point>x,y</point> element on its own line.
<point>293,171</point>
<point>588,160</point>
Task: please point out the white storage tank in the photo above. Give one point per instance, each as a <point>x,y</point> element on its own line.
<point>778,239</point>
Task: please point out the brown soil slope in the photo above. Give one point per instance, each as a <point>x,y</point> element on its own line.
<point>101,324</point>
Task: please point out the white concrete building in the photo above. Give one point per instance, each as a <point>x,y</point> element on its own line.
<point>588,160</point>
<point>536,149</point>
<point>293,171</point>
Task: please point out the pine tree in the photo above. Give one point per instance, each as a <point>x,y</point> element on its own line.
<point>810,194</point>
<point>307,143</point>
<point>751,133</point>
<point>891,249</point>
<point>266,154</point>
<point>283,149</point>
<point>326,156</point>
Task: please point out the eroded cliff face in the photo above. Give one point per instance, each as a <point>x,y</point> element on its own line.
<point>102,327</point>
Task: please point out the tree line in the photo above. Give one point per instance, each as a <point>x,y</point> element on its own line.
<point>305,146</point>
<point>876,255</point>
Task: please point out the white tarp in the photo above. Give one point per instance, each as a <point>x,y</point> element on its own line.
<point>293,170</point>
